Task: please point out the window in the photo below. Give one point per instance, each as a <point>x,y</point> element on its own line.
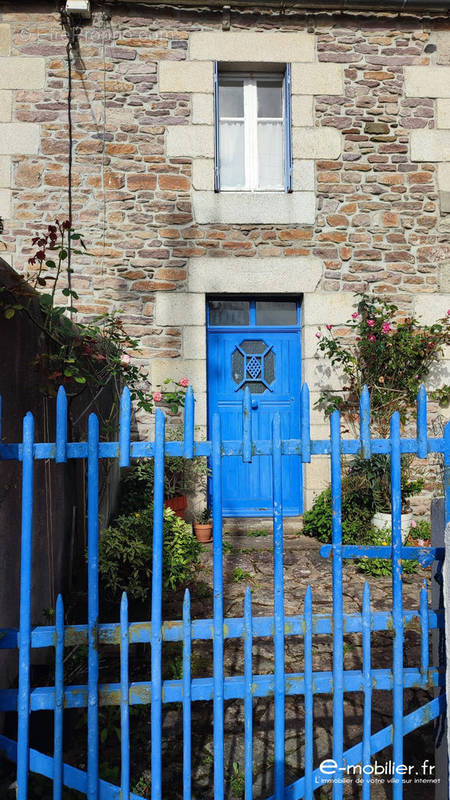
<point>253,136</point>
<point>253,313</point>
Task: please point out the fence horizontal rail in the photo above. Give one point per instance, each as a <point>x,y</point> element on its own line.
<point>77,779</point>
<point>263,447</point>
<point>73,778</point>
<point>233,628</point>
<point>140,692</point>
<point>424,555</point>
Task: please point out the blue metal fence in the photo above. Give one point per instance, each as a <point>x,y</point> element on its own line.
<point>218,688</point>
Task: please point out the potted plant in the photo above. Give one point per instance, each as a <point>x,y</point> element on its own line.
<point>182,476</point>
<point>203,526</point>
<point>372,478</point>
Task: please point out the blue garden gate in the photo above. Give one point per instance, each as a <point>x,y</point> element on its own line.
<point>217,688</point>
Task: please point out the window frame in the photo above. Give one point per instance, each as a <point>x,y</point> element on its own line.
<point>250,121</point>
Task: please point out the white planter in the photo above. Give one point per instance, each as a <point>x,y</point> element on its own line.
<point>382,522</point>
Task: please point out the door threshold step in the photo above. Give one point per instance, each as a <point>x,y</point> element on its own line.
<point>246,524</point>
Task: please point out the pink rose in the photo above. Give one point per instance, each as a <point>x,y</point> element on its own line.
<point>318,335</point>
<point>414,524</point>
<point>355,315</point>
<point>372,338</point>
<point>157,397</point>
<point>371,323</point>
<point>448,312</point>
<point>125,359</point>
<point>328,327</point>
<point>184,382</point>
<point>420,543</point>
<point>386,327</point>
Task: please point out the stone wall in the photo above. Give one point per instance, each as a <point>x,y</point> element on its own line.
<point>371,140</point>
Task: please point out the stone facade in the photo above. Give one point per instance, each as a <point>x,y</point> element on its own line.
<point>371,137</point>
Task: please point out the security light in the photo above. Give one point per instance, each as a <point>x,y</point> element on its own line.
<point>79,8</point>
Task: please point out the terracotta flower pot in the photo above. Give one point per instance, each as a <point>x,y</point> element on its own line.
<point>177,504</point>
<point>203,531</point>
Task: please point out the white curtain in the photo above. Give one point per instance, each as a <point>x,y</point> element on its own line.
<point>270,155</point>
<point>232,167</point>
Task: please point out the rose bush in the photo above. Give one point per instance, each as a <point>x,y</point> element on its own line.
<point>390,355</point>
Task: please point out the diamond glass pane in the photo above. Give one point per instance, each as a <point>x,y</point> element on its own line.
<point>269,367</point>
<point>256,387</point>
<point>253,347</point>
<point>252,365</point>
<point>237,366</point>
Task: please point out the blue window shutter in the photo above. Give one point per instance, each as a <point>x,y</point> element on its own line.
<point>287,130</point>
<point>216,129</point>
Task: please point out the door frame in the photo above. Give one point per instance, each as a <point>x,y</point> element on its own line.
<point>252,328</point>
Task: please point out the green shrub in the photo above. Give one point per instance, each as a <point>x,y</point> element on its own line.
<point>126,547</point>
<point>365,490</point>
<point>382,566</point>
<point>356,516</point>
<point>422,530</point>
<point>371,477</point>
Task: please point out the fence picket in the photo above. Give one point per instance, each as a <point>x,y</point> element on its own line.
<point>93,606</point>
<point>248,695</point>
<point>59,701</point>
<point>338,612</point>
<point>397,603</point>
<point>446,450</point>
<point>156,641</point>
<point>125,428</point>
<point>424,634</point>
<point>364,422</point>
<point>187,698</point>
<point>278,603</point>
<point>23,699</point>
<point>309,696</point>
<point>124,700</point>
<point>422,439</point>
<point>61,426</point>
<point>189,411</point>
<point>367,687</point>
<point>218,707</point>
<point>247,426</point>
<point>305,424</point>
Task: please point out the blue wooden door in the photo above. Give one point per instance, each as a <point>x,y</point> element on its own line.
<point>256,343</point>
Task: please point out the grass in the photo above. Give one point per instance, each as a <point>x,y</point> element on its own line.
<point>240,575</point>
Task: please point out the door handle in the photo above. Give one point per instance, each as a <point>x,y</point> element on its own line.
<point>255,403</point>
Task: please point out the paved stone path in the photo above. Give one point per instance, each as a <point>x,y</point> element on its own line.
<point>248,560</point>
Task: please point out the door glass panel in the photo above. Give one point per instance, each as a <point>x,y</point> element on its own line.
<point>229,312</point>
<point>273,312</point>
